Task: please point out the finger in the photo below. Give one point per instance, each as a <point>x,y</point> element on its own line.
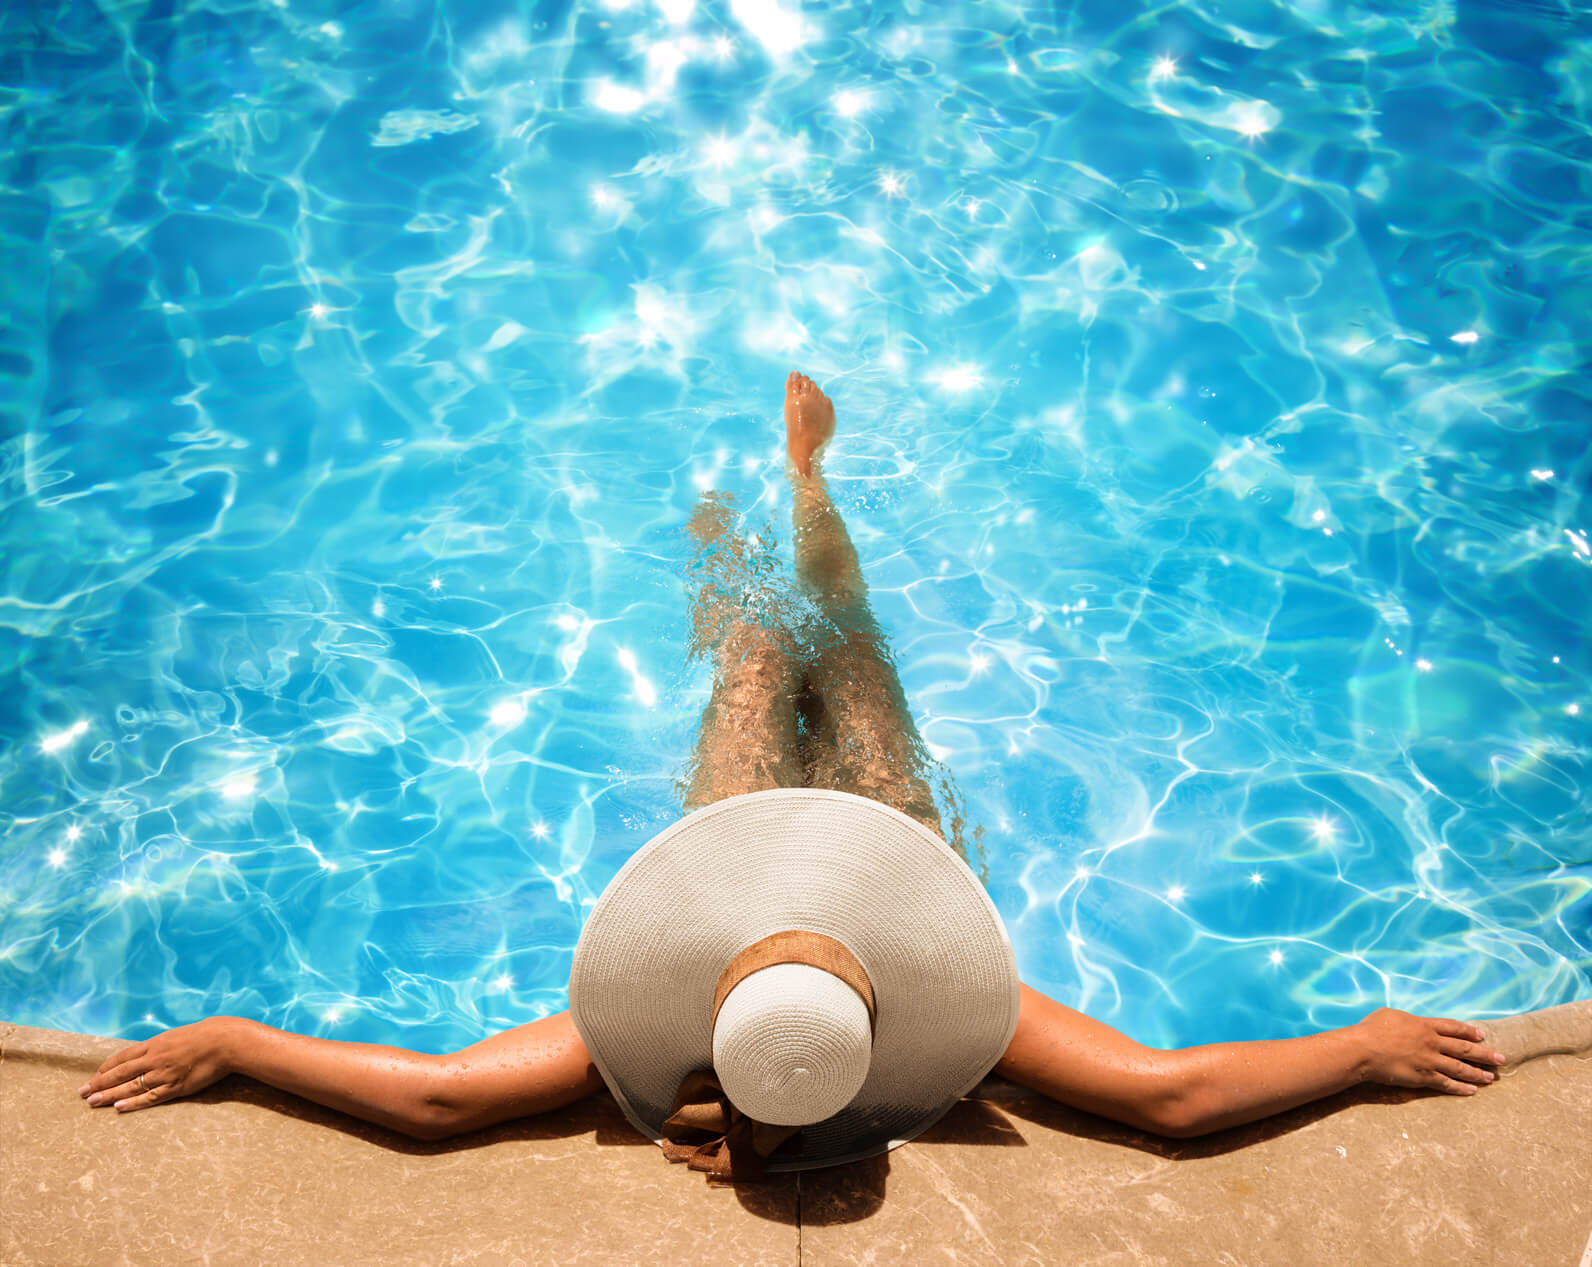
<point>118,1073</point>
<point>123,1056</point>
<point>1458,1029</point>
<point>1461,1072</point>
<point>1452,1086</point>
<point>119,1089</point>
<point>115,1091</point>
<point>1476,1053</point>
<point>141,1101</point>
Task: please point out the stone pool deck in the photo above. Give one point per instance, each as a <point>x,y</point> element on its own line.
<point>246,1175</point>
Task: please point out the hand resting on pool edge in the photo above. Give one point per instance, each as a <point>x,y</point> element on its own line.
<point>1061,1053</point>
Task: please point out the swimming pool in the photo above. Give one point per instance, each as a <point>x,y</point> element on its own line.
<point>1213,397</point>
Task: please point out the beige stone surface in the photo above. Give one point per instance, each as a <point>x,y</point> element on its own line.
<point>1375,1176</point>
<point>243,1174</point>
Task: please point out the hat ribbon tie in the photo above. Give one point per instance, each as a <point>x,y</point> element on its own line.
<point>739,1145</point>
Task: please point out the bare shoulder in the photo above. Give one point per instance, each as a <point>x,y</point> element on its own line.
<point>1071,1057</point>
<point>528,1069</point>
<point>1046,1029</point>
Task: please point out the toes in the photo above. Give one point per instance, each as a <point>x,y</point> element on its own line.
<point>800,387</point>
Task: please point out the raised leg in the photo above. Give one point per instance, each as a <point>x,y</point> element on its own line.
<point>862,738</point>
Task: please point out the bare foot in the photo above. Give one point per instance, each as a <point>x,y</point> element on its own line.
<point>809,421</point>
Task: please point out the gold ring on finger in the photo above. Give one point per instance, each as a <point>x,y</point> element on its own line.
<point>141,1085</point>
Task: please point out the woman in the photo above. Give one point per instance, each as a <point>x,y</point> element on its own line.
<point>820,749</point>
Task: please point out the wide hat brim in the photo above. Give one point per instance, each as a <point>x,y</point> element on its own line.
<point>895,894</point>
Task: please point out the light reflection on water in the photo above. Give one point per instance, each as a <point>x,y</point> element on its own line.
<point>1213,400</point>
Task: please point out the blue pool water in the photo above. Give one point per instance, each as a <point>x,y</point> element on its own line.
<point>1214,409</point>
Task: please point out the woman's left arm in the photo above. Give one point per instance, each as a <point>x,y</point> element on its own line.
<point>1080,1061</point>
<point>533,1068</point>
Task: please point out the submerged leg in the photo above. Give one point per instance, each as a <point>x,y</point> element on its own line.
<point>747,741</point>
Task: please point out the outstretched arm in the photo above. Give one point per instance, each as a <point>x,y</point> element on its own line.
<point>1085,1063</point>
<point>529,1069</point>
<point>533,1068</point>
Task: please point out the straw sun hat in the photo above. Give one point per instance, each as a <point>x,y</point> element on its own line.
<point>791,979</point>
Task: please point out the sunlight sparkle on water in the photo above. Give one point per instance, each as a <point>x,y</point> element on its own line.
<point>776,28</point>
<point>1176,893</point>
<point>59,740</point>
<point>1164,68</point>
<point>541,830</point>
<point>1324,828</point>
<point>235,789</point>
<point>73,832</point>
<point>436,583</point>
<point>1256,878</point>
<point>1425,666</point>
<point>645,691</point>
<point>1275,957</point>
<point>508,712</point>
<point>891,184</point>
<point>1464,336</point>
<point>958,378</point>
<point>1255,120</point>
<point>617,98</point>
<point>57,858</point>
<point>851,102</point>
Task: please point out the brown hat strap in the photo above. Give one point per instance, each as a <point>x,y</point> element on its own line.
<point>796,945</point>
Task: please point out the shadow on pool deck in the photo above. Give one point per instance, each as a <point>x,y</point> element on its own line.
<point>243,1174</point>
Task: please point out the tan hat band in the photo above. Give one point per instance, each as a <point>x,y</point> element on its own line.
<point>796,945</point>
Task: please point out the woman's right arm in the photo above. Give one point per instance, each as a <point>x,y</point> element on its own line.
<point>387,1085</point>
<point>530,1069</point>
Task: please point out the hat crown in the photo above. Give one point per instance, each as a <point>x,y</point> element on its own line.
<point>792,1045</point>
